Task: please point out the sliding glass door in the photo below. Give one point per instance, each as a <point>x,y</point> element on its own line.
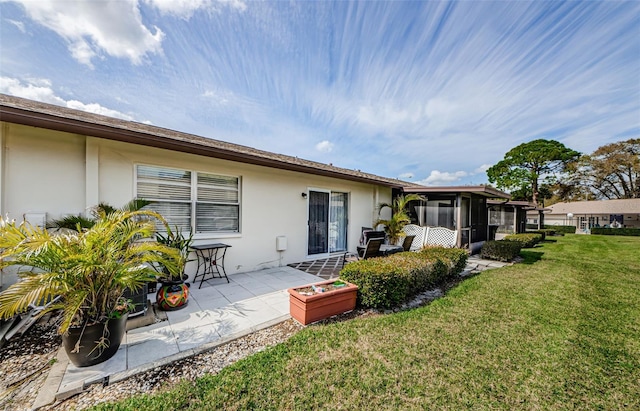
<point>328,213</point>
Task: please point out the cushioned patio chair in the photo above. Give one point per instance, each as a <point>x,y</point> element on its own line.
<point>408,240</point>
<point>371,250</point>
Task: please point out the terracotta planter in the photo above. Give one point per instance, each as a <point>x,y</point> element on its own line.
<point>311,308</point>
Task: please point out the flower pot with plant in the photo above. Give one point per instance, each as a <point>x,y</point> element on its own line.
<point>318,301</point>
<point>399,217</point>
<point>89,270</point>
<point>173,294</point>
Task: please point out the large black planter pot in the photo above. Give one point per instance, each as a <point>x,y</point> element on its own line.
<point>89,352</point>
<point>173,295</point>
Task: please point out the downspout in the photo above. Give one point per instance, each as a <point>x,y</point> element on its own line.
<point>459,220</point>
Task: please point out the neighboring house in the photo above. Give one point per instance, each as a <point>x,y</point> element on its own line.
<point>56,161</point>
<point>475,213</point>
<point>587,214</point>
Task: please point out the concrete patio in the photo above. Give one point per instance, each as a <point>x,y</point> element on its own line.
<point>216,313</point>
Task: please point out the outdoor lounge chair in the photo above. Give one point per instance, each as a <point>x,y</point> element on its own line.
<point>371,250</point>
<point>408,240</point>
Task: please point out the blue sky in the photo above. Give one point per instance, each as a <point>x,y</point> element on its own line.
<point>430,92</point>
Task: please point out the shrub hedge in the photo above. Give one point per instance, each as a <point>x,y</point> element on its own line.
<point>559,229</point>
<point>616,231</point>
<point>387,282</point>
<point>527,240</point>
<point>455,257</point>
<point>502,250</point>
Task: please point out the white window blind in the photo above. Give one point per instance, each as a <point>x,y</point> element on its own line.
<point>191,200</point>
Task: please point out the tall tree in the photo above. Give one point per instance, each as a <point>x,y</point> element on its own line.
<point>525,165</point>
<point>613,170</point>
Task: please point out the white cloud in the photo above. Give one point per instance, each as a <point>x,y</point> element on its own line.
<point>40,90</point>
<point>185,8</point>
<point>324,146</point>
<point>438,178</point>
<point>97,109</point>
<point>93,28</point>
<point>18,24</point>
<point>482,169</point>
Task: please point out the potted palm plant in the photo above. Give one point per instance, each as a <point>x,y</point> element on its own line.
<point>80,222</point>
<point>89,271</point>
<point>399,217</point>
<point>173,294</point>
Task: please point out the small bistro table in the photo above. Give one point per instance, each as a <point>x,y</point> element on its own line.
<point>210,261</point>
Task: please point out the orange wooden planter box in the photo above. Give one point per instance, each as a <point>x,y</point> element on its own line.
<point>307,309</point>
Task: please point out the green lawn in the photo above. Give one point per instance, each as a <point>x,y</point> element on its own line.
<point>559,331</point>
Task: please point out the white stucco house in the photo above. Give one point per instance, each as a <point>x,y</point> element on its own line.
<point>55,161</point>
<point>601,213</point>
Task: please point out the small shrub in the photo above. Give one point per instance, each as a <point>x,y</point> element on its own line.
<point>381,284</point>
<point>388,282</point>
<point>558,230</point>
<point>548,231</point>
<point>456,258</point>
<point>545,232</point>
<point>542,233</point>
<point>527,240</point>
<point>562,229</point>
<point>502,250</point>
<point>616,231</point>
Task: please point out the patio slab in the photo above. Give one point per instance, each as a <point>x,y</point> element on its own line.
<point>217,313</point>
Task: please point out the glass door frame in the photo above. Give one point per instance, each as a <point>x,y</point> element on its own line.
<point>346,232</point>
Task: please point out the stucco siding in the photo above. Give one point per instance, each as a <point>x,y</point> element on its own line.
<point>58,172</point>
<point>43,171</point>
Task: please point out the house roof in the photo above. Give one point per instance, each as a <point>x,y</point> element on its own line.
<point>32,113</point>
<point>524,204</point>
<point>480,190</point>
<point>624,206</point>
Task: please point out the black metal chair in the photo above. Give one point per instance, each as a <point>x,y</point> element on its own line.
<point>406,244</point>
<point>371,250</point>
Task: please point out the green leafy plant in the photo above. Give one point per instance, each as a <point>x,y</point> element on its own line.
<point>399,217</point>
<point>388,282</point>
<point>89,270</point>
<point>502,250</point>
<point>527,240</point>
<point>79,222</point>
<point>182,243</point>
<point>616,231</point>
<point>525,165</point>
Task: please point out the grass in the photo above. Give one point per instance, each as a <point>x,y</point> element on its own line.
<point>560,331</point>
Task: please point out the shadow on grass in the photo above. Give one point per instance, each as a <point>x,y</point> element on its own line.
<point>546,240</point>
<point>530,257</point>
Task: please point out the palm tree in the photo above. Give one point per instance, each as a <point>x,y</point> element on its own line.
<point>79,222</point>
<point>89,269</point>
<point>399,217</point>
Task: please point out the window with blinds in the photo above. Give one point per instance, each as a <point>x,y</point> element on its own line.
<point>202,202</point>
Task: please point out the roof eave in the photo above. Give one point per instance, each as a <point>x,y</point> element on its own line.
<point>480,190</point>
<point>75,126</point>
